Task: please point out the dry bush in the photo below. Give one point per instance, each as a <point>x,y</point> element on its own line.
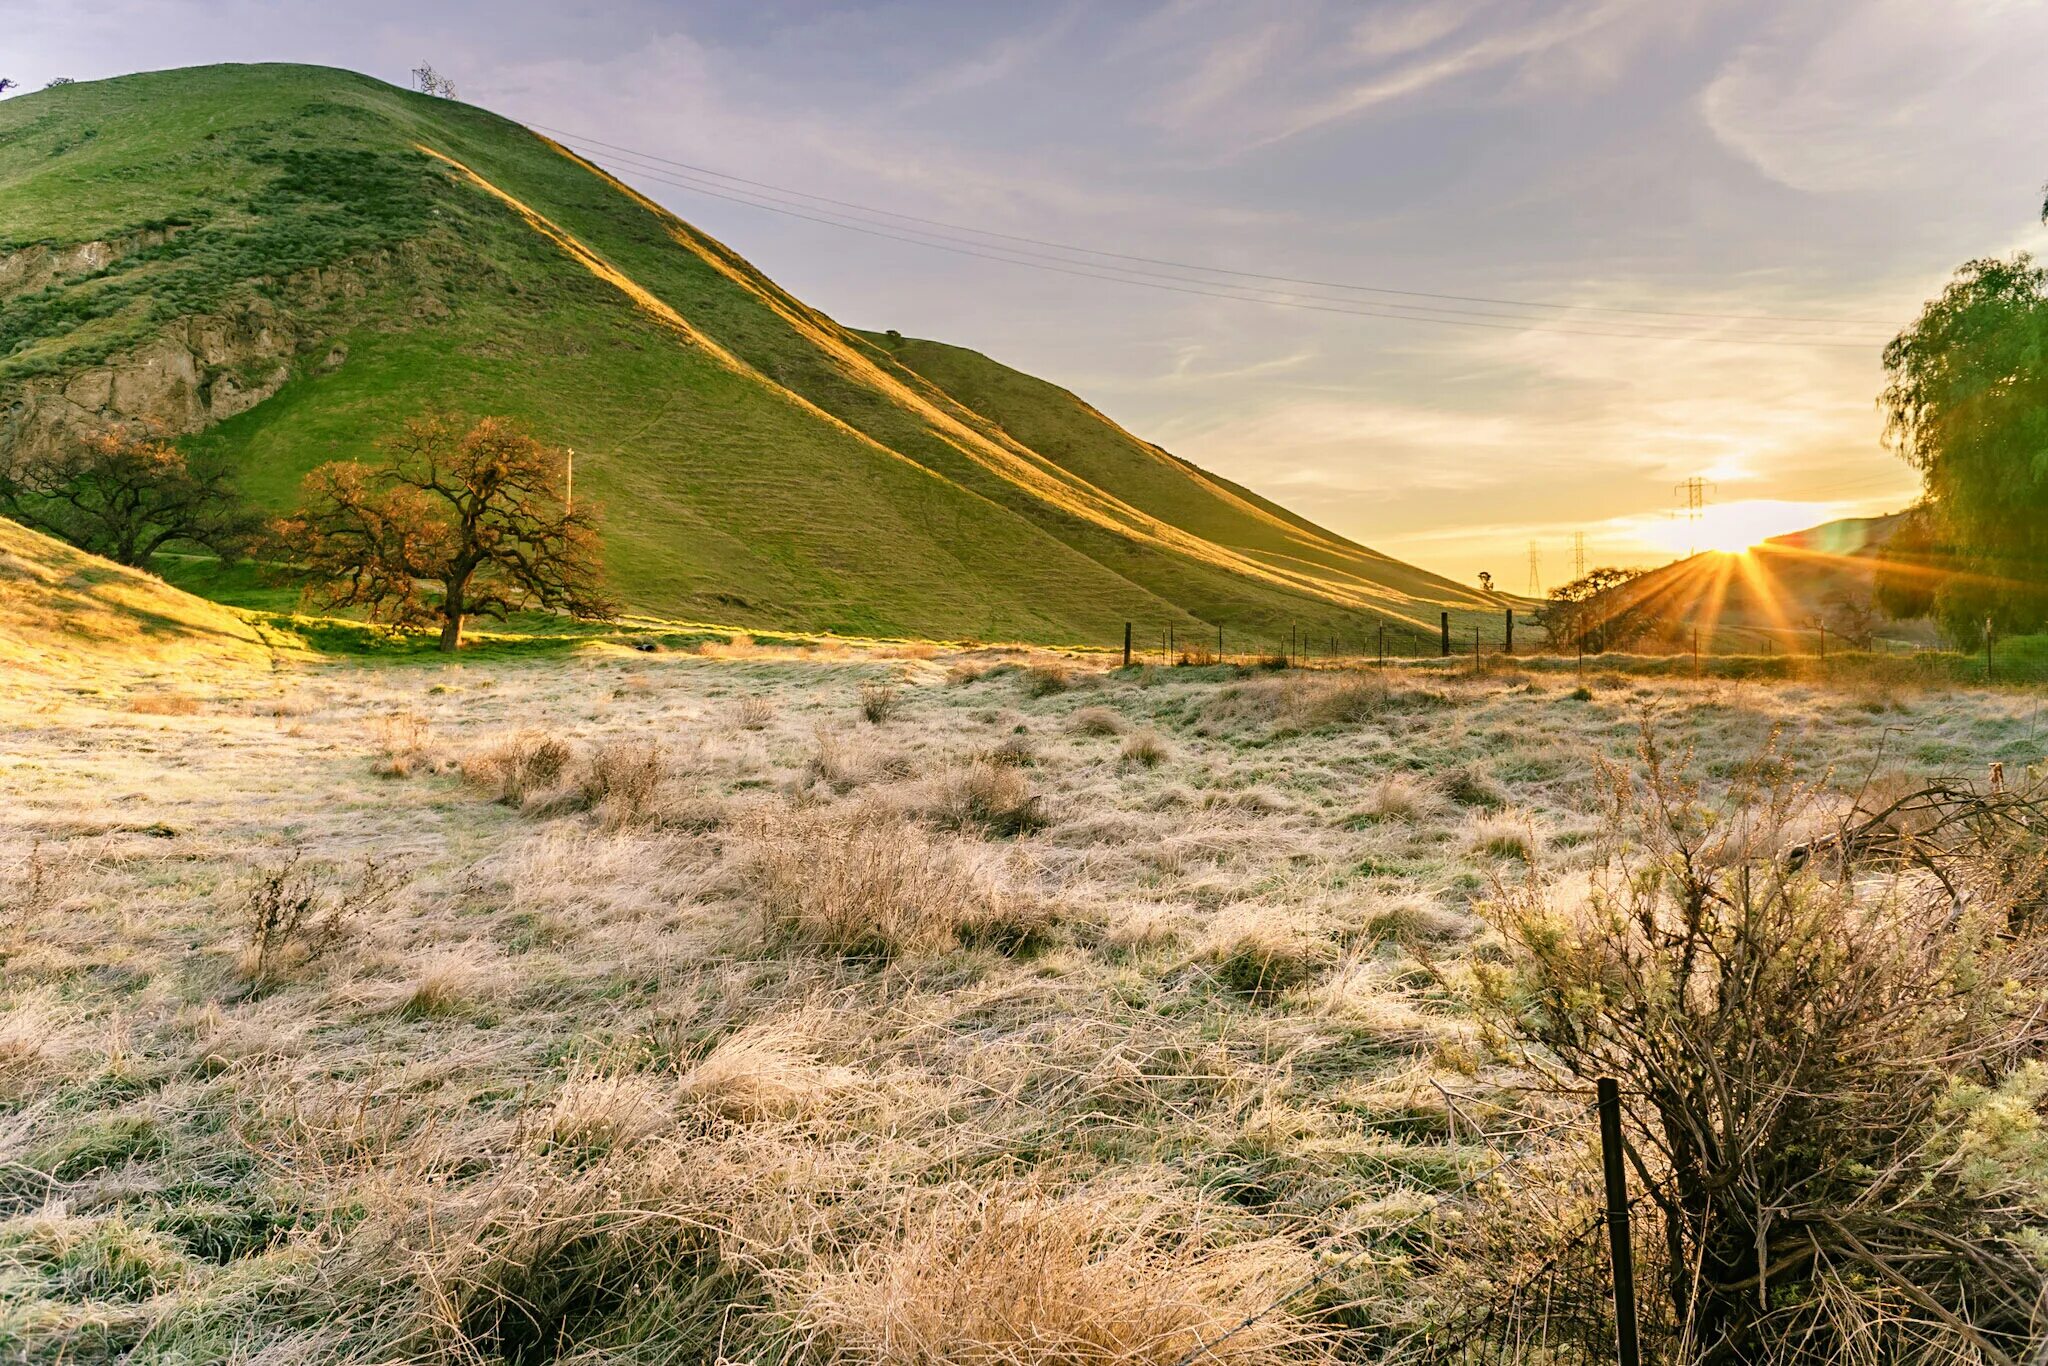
<point>880,702</point>
<point>1097,721</point>
<point>964,672</point>
<point>1044,680</point>
<point>1304,701</point>
<point>993,798</point>
<point>753,713</point>
<point>1827,1068</point>
<point>1402,797</point>
<point>1417,919</point>
<point>520,768</point>
<point>867,883</point>
<point>620,781</point>
<point>295,915</point>
<point>164,704</point>
<point>1470,785</point>
<point>1015,751</point>
<point>767,1071</point>
<point>1504,835</point>
<point>1146,749</point>
<point>840,763</point>
<point>445,987</point>
<point>1261,951</point>
<point>598,1111</point>
<point>1011,1276</point>
<point>566,1253</point>
<point>406,746</point>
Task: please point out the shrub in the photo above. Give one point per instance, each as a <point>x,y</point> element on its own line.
<point>1469,786</point>
<point>753,713</point>
<point>1807,1053</point>
<point>164,704</point>
<point>522,767</point>
<point>1096,721</point>
<point>994,798</point>
<point>1503,836</point>
<point>1011,1275</point>
<point>1146,749</point>
<point>1015,751</point>
<point>879,702</point>
<point>1044,680</point>
<point>1262,951</point>
<point>867,883</point>
<point>1402,797</point>
<point>620,781</point>
<point>295,917</point>
<point>591,1253</point>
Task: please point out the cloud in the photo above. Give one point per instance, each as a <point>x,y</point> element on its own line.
<point>1840,97</point>
<point>1250,85</point>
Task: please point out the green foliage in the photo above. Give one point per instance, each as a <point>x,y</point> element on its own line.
<point>1967,405</point>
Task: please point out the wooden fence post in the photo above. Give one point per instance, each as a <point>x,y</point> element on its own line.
<point>1511,632</point>
<point>1628,1349</point>
<point>1444,622</point>
<point>1127,645</point>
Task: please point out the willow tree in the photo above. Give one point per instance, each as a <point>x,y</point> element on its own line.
<point>457,524</point>
<point>1966,403</point>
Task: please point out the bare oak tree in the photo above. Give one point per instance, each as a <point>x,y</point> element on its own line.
<point>459,524</point>
<point>126,497</point>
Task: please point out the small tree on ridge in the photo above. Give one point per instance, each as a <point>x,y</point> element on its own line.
<point>460,524</point>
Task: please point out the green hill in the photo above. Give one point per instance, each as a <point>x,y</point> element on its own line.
<point>282,262</point>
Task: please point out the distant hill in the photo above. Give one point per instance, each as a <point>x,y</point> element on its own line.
<point>1781,586</point>
<point>282,262</point>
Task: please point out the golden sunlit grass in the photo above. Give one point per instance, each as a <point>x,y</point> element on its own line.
<point>672,1010</point>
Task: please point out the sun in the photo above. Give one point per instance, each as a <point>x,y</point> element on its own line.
<point>1733,528</point>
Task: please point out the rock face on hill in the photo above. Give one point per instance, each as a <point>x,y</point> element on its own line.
<point>282,263</point>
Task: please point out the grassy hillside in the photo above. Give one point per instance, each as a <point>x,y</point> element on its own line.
<point>66,610</point>
<point>283,262</point>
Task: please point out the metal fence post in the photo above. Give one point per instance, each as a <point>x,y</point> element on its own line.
<point>1628,1350</point>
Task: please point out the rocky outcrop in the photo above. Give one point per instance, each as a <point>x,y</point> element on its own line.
<point>28,269</point>
<point>197,370</point>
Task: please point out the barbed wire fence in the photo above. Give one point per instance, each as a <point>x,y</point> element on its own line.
<point>1517,637</point>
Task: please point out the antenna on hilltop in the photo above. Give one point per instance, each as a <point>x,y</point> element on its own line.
<point>1535,572</point>
<point>428,81</point>
<point>1693,492</point>
<point>1578,555</point>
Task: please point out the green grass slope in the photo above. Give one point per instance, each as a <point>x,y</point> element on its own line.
<point>321,254</point>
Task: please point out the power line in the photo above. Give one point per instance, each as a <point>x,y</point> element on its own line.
<point>1213,270</point>
<point>1372,308</point>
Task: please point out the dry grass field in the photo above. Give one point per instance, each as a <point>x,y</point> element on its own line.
<point>827,1006</point>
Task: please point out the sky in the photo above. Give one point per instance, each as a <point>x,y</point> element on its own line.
<point>1678,232</point>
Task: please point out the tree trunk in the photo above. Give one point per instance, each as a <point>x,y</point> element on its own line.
<point>451,614</point>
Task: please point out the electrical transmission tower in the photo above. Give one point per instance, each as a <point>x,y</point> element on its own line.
<point>1535,572</point>
<point>1578,555</point>
<point>1693,493</point>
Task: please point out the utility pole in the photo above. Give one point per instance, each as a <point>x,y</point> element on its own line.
<point>1693,494</point>
<point>1535,571</point>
